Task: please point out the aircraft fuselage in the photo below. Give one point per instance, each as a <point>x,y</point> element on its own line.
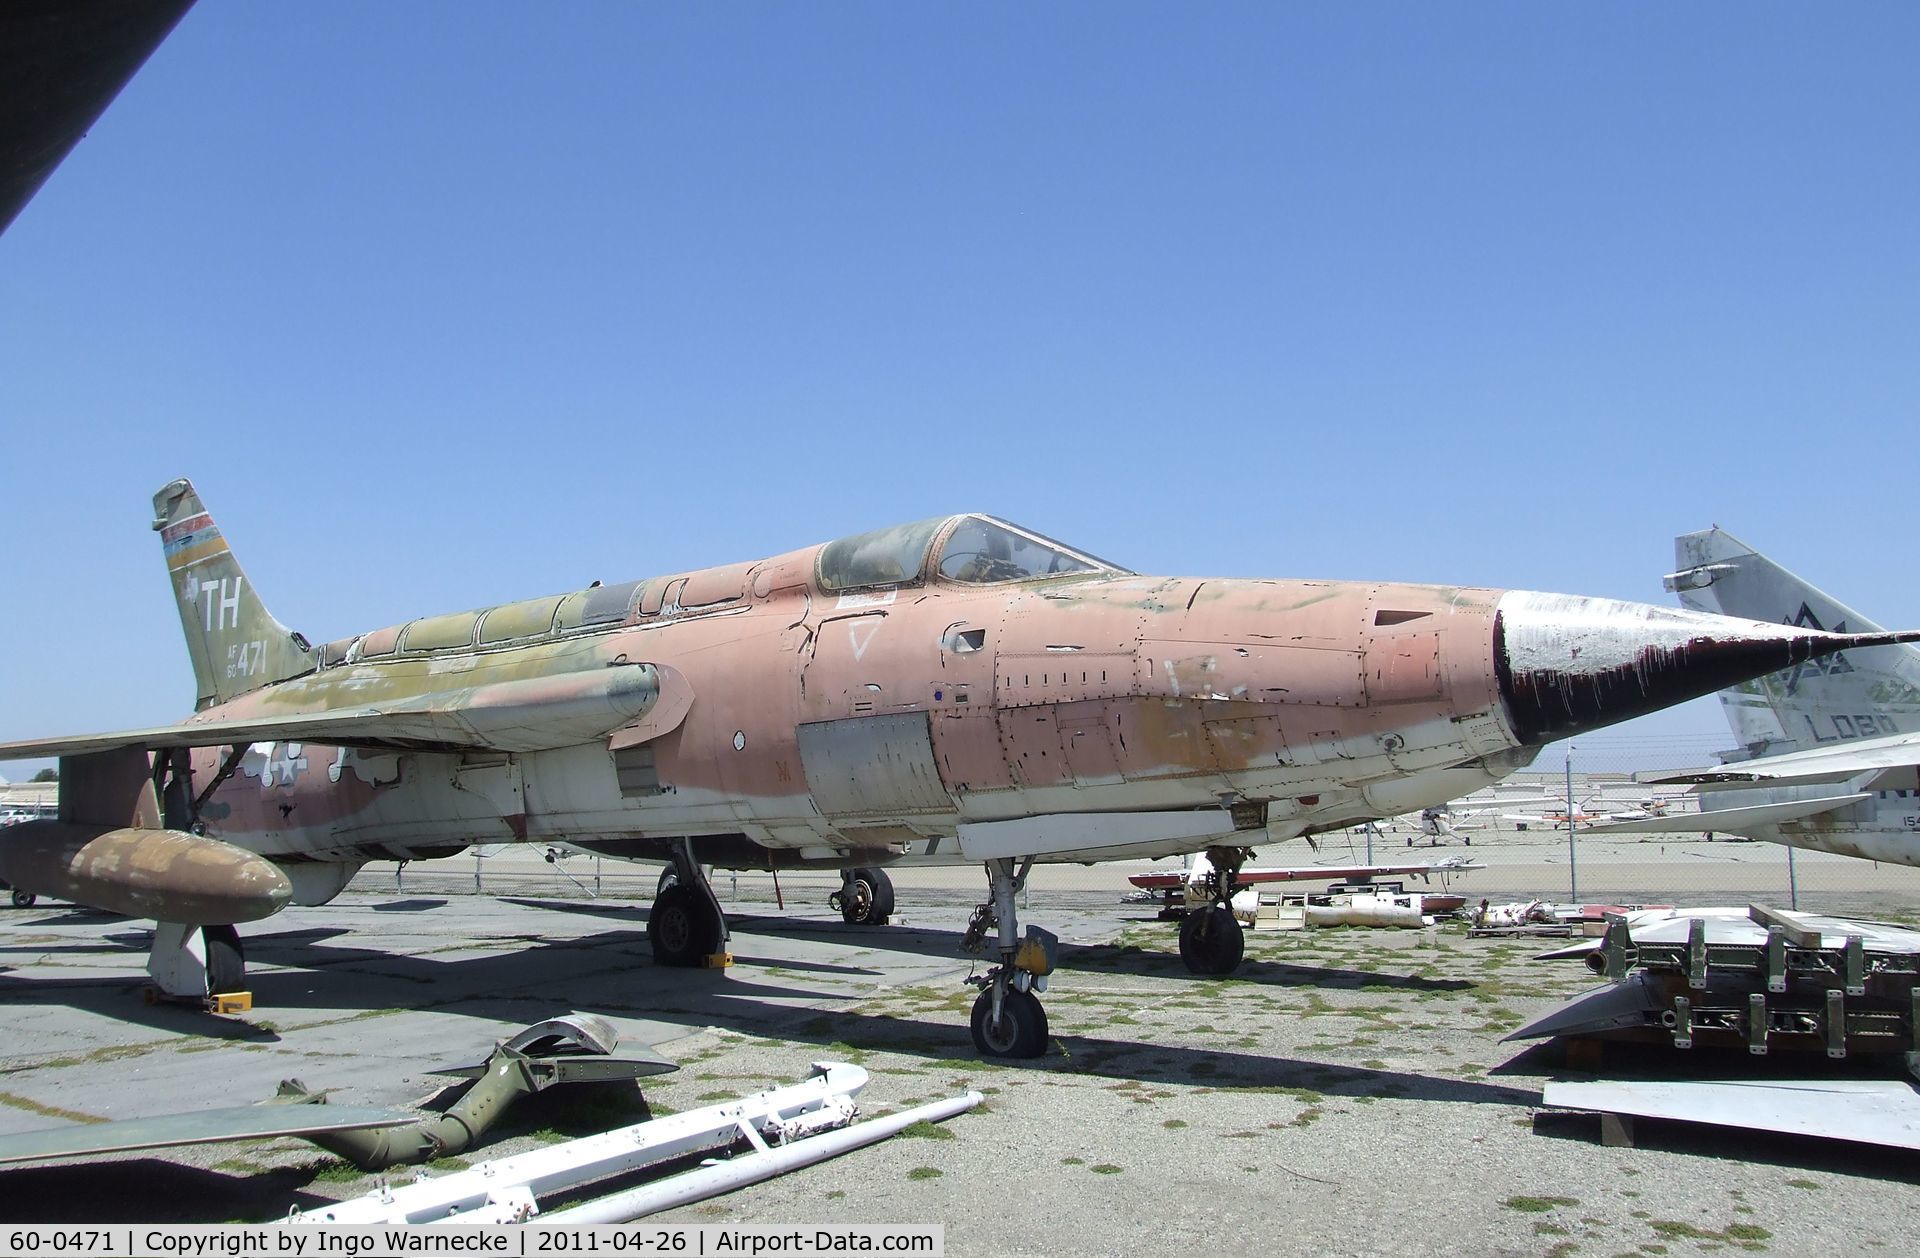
<point>873,723</point>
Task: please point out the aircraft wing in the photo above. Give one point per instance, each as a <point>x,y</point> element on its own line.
<point>629,702</point>
<point>1308,873</point>
<point>1822,764</point>
<point>1730,820</point>
<point>66,60</point>
<point>245,1122</point>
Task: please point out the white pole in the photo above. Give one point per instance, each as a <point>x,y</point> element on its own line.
<point>716,1177</point>
<point>1573,873</point>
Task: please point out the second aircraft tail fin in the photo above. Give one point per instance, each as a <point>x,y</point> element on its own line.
<point>1853,694</point>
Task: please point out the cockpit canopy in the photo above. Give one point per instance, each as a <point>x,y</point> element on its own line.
<point>973,550</point>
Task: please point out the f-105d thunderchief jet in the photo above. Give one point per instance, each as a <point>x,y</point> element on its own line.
<point>956,689</point>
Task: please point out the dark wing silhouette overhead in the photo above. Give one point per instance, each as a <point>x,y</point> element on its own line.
<point>61,64</point>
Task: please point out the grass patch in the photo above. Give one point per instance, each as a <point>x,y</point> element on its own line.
<point>927,1131</point>
<point>1745,1235</point>
<point>1106,1168</point>
<point>11,1101</point>
<point>1175,1124</point>
<point>925,1172</point>
<point>1538,1205</point>
<point>335,1171</point>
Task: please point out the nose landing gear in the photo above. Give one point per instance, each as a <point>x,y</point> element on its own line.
<point>1008,1018</point>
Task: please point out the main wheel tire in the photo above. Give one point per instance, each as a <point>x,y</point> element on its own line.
<point>683,927</point>
<point>226,960</point>
<point>669,877</point>
<point>868,900</point>
<point>1211,941</point>
<point>1021,1030</point>
<point>24,899</point>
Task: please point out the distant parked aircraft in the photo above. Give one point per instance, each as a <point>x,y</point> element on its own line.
<point>1829,756</point>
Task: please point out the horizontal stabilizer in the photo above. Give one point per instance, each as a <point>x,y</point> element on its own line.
<point>1823,764</point>
<point>1729,820</point>
<point>244,1122</point>
<point>533,714</point>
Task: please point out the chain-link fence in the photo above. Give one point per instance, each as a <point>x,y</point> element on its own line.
<point>1531,832</point>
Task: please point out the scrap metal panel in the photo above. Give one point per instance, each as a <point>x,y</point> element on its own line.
<point>872,766</point>
<point>1873,1112</point>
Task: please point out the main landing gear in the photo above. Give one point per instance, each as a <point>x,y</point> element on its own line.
<point>195,962</point>
<point>1211,940</point>
<point>1008,1018</point>
<point>865,897</point>
<point>686,926</point>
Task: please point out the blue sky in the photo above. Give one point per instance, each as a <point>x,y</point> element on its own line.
<point>446,304</point>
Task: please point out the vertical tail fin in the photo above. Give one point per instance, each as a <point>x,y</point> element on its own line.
<point>1853,694</point>
<point>235,642</point>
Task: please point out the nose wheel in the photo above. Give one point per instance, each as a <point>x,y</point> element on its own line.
<point>1017,1029</point>
<point>1008,1018</point>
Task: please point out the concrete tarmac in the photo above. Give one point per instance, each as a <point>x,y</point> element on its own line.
<point>1346,1093</point>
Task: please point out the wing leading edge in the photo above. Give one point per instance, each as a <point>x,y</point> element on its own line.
<point>534,714</point>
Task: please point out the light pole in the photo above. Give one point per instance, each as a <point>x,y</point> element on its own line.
<point>1573,871</point>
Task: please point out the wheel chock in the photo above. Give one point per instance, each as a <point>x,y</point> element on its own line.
<point>222,1002</point>
<point>717,961</point>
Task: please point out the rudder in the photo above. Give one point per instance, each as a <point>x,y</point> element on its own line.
<point>235,643</point>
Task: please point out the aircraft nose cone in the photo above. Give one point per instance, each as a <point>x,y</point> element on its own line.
<point>1567,664</point>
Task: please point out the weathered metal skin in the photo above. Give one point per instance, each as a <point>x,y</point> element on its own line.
<point>936,691</point>
<point>162,874</point>
<point>1110,693</point>
<point>871,723</point>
